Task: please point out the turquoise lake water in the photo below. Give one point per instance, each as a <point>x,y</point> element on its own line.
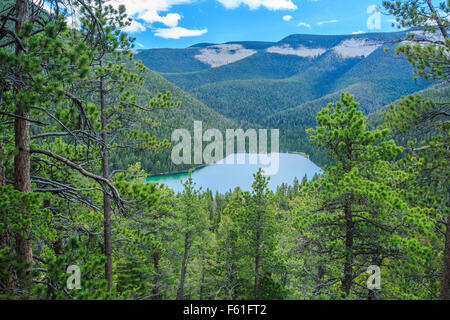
<point>225,177</point>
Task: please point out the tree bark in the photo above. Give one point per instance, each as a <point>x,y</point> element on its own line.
<point>180,293</point>
<point>438,19</point>
<point>2,170</point>
<point>57,245</point>
<point>7,282</point>
<point>257,258</point>
<point>445,283</point>
<point>22,163</point>
<point>155,290</point>
<point>257,266</point>
<point>348,263</point>
<point>105,174</point>
<point>202,281</point>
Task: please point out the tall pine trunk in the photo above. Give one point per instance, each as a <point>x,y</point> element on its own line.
<point>257,258</point>
<point>2,170</point>
<point>348,263</point>
<point>439,23</point>
<point>445,284</point>
<point>105,173</point>
<point>22,159</point>
<point>155,290</point>
<point>57,245</point>
<point>180,293</point>
<point>5,238</point>
<point>202,281</point>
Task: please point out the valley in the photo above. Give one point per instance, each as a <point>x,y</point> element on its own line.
<point>145,155</point>
<point>223,177</point>
<point>283,85</point>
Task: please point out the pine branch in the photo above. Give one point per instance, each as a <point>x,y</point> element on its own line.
<point>102,181</point>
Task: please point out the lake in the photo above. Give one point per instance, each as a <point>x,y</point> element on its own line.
<point>225,177</point>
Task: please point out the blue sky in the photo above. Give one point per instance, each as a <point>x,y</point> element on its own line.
<point>182,23</point>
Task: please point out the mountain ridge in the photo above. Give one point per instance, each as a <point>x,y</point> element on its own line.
<point>284,84</point>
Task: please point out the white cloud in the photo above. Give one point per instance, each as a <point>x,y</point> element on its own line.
<point>304,24</point>
<point>135,7</point>
<point>178,32</point>
<point>326,22</point>
<point>170,20</point>
<point>358,32</point>
<point>43,5</point>
<point>149,11</point>
<point>255,4</point>
<point>134,27</point>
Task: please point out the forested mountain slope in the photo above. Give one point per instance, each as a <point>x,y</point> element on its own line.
<point>437,93</point>
<point>246,81</point>
<point>79,219</point>
<point>283,85</point>
<point>170,119</point>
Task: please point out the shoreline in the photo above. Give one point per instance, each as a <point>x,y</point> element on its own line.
<point>179,172</point>
<point>299,153</point>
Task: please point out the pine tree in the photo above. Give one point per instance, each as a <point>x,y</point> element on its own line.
<point>115,107</point>
<point>361,217</point>
<point>232,264</point>
<point>259,226</point>
<point>192,224</point>
<point>36,66</point>
<point>428,52</point>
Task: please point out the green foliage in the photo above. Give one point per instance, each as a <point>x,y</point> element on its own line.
<point>52,283</point>
<point>362,216</point>
<point>376,204</point>
<point>287,91</point>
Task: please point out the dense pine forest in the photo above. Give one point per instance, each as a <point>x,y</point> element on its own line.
<point>84,122</point>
